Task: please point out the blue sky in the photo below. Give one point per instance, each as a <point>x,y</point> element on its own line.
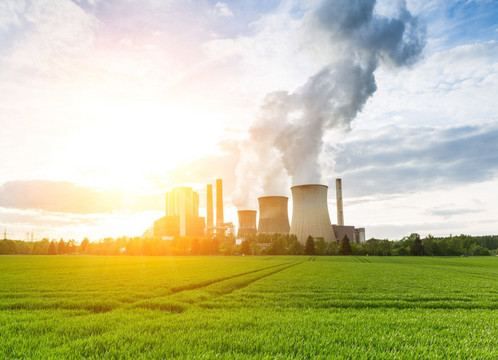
<point>110,103</point>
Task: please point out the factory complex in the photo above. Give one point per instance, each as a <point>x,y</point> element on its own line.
<point>310,215</point>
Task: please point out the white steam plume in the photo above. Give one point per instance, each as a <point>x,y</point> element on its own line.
<point>286,140</point>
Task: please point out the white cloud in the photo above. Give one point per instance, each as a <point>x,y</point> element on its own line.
<point>448,87</point>
<point>54,30</point>
<point>10,13</point>
<point>222,9</point>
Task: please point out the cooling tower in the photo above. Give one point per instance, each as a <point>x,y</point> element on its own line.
<point>310,213</point>
<point>219,203</point>
<point>247,222</point>
<point>209,210</point>
<point>338,193</point>
<point>273,216</point>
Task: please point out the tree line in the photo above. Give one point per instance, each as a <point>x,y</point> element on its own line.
<point>260,244</point>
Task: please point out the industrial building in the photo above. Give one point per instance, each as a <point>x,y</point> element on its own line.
<point>356,235</point>
<point>359,235</point>
<point>341,231</point>
<point>182,215</point>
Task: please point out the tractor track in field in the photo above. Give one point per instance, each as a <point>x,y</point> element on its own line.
<point>249,281</point>
<point>172,301</point>
<point>178,289</point>
<point>179,296</point>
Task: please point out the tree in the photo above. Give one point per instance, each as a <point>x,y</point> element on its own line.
<point>277,246</point>
<point>245,247</point>
<point>357,249</point>
<point>479,250</point>
<point>84,244</point>
<point>332,248</point>
<point>309,248</point>
<point>195,247</point>
<point>320,246</point>
<point>71,246</point>
<point>345,247</point>
<point>41,247</point>
<point>417,247</point>
<point>296,248</point>
<point>52,250</point>
<point>429,245</point>
<point>402,251</point>
<point>61,247</point>
<point>8,247</point>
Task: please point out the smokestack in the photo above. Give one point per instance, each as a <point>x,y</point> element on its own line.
<point>273,215</point>
<point>247,222</point>
<point>338,193</point>
<point>209,215</point>
<point>310,213</point>
<point>219,203</point>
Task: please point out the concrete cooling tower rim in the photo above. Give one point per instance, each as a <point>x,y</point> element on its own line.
<point>303,185</point>
<point>273,197</point>
<point>246,211</point>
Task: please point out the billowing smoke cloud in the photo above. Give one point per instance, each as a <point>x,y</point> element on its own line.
<point>286,140</point>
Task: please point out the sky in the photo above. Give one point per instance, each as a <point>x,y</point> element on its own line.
<point>107,104</point>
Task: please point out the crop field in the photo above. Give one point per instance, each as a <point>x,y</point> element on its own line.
<point>75,307</point>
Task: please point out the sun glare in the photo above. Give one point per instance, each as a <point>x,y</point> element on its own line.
<point>164,136</point>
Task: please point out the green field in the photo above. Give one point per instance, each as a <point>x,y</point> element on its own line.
<point>248,307</point>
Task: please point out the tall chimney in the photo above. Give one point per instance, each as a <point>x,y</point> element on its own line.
<point>219,203</point>
<point>209,215</point>
<point>338,192</point>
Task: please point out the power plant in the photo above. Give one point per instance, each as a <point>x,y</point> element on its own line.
<point>310,216</point>
<point>310,213</point>
<point>273,215</point>
<point>247,222</point>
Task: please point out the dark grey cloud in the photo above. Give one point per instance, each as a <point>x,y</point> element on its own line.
<point>399,38</point>
<point>405,160</point>
<point>67,197</point>
<point>446,213</point>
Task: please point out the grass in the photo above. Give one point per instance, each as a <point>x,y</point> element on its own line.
<point>248,307</point>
